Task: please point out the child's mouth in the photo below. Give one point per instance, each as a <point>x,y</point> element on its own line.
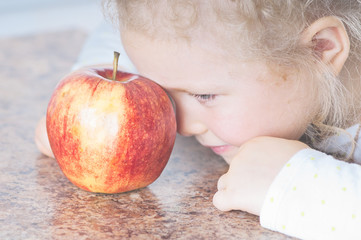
<point>220,149</point>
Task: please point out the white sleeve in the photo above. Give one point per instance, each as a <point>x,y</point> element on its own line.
<point>100,46</point>
<point>315,197</point>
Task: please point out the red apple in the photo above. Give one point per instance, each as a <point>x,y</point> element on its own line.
<point>107,135</point>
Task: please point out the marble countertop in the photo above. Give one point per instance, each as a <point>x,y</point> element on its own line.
<point>38,202</point>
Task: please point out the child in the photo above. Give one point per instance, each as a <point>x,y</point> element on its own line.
<point>263,84</point>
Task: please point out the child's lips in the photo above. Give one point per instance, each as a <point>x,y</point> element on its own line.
<point>220,149</point>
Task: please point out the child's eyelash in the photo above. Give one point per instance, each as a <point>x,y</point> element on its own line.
<point>203,98</point>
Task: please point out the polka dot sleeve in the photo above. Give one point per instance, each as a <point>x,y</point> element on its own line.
<point>315,197</point>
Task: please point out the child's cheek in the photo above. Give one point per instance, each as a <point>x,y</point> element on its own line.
<point>230,133</point>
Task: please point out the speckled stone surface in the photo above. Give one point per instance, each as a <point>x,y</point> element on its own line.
<point>38,202</point>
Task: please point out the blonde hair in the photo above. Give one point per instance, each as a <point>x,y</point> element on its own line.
<point>271,30</point>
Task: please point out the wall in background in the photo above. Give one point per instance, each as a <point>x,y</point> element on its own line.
<point>24,17</point>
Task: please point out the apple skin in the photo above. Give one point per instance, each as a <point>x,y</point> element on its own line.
<point>110,136</point>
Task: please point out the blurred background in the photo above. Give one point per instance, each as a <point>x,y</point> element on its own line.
<point>24,17</point>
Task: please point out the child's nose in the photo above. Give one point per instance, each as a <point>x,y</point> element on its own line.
<point>189,123</point>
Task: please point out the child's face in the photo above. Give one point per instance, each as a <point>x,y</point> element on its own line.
<point>221,100</point>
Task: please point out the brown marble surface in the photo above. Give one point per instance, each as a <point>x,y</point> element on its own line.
<point>38,202</point>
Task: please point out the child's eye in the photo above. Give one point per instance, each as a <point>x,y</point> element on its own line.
<point>204,98</point>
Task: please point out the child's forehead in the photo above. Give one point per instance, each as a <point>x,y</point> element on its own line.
<point>202,44</point>
<point>189,67</point>
<point>211,40</point>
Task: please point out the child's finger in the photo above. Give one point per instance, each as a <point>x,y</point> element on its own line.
<point>222,182</point>
<point>221,201</point>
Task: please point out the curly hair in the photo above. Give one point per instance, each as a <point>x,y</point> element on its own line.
<point>270,31</point>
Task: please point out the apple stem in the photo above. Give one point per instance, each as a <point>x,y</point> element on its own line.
<point>115,65</point>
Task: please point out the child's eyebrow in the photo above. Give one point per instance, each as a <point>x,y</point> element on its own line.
<point>193,90</point>
<point>175,89</point>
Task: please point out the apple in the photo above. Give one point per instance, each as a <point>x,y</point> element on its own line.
<point>110,131</point>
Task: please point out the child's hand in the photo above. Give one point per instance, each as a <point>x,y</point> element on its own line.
<point>251,173</point>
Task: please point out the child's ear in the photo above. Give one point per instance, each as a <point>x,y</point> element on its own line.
<point>330,41</point>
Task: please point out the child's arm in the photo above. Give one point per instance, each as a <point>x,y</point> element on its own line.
<point>312,195</point>
<point>99,50</point>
